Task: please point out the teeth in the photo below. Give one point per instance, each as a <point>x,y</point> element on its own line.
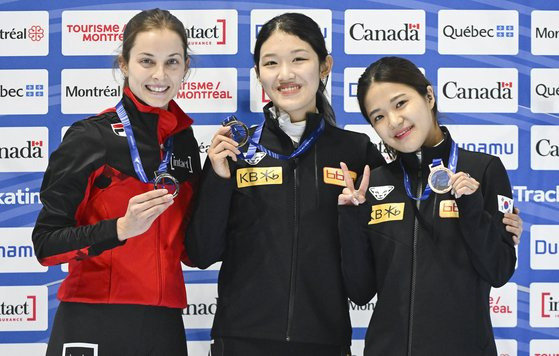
<point>157,89</point>
<point>289,88</point>
<point>402,133</point>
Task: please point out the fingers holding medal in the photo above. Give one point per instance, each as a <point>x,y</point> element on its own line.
<point>463,184</point>
<point>221,147</point>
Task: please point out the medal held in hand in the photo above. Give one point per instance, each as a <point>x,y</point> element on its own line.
<point>162,178</point>
<point>239,131</point>
<point>439,178</point>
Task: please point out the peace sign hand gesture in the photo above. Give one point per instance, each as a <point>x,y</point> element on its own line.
<point>349,195</point>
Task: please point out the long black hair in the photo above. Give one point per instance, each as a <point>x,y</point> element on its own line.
<point>307,30</point>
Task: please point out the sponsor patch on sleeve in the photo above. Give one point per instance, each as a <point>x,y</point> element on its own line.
<point>386,212</point>
<point>505,204</point>
<point>336,176</point>
<point>448,209</point>
<point>251,176</point>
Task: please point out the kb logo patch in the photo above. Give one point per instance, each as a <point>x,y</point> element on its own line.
<point>248,177</point>
<point>386,212</point>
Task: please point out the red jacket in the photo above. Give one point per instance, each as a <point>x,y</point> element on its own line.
<point>86,188</point>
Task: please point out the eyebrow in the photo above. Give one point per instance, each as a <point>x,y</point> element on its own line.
<point>151,55</point>
<point>391,101</point>
<point>295,51</point>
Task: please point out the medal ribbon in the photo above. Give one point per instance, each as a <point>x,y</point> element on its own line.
<point>452,161</point>
<point>255,139</point>
<point>136,160</point>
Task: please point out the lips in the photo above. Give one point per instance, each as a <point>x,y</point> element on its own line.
<point>289,88</point>
<point>403,133</point>
<point>157,88</point>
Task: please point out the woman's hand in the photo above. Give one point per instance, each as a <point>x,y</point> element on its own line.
<point>222,146</point>
<point>463,184</point>
<point>513,224</point>
<point>349,195</point>
<point>142,211</point>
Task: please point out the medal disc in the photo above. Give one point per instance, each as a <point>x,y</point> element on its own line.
<point>239,131</point>
<point>166,181</point>
<point>439,179</point>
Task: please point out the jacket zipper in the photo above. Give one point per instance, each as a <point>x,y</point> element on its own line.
<point>292,279</point>
<point>157,253</point>
<point>414,261</point>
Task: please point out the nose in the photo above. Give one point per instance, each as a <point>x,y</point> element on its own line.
<point>285,72</point>
<point>395,120</point>
<point>159,72</point>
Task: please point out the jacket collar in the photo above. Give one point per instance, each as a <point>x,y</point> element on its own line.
<point>169,122</point>
<point>411,160</point>
<point>313,120</point>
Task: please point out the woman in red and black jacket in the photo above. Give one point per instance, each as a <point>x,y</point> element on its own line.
<point>123,240</point>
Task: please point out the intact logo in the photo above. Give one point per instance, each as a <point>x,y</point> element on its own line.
<point>202,305</point>
<point>545,33</point>
<point>23,308</point>
<point>24,33</point>
<point>210,31</point>
<point>478,32</point>
<point>16,251</point>
<point>544,247</point>
<point>386,212</point>
<point>503,306</point>
<point>384,31</point>
<point>478,89</point>
<point>323,17</point>
<point>184,163</point>
<point>544,141</point>
<point>253,176</point>
<point>544,305</point>
<point>381,192</point>
<point>448,209</point>
<point>336,176</point>
<point>93,32</point>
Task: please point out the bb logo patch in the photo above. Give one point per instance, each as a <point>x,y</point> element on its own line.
<point>386,212</point>
<point>336,176</point>
<point>248,177</point>
<point>448,209</point>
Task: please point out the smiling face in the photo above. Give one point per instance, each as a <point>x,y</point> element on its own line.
<point>401,116</point>
<point>156,67</point>
<point>289,71</point>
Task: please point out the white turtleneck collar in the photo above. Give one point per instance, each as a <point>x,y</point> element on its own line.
<point>292,129</point>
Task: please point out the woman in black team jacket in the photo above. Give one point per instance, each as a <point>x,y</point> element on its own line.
<point>273,222</point>
<point>124,241</point>
<point>431,258</point>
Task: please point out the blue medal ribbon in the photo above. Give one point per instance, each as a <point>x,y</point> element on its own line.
<point>452,161</point>
<point>136,160</point>
<point>254,141</point>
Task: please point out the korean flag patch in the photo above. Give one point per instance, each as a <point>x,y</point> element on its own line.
<point>505,204</point>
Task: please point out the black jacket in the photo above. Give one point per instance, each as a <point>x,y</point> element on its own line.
<point>274,226</point>
<point>430,269</point>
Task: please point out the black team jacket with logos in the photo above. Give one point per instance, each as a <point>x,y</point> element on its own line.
<point>87,186</point>
<point>431,268</point>
<point>274,226</point>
